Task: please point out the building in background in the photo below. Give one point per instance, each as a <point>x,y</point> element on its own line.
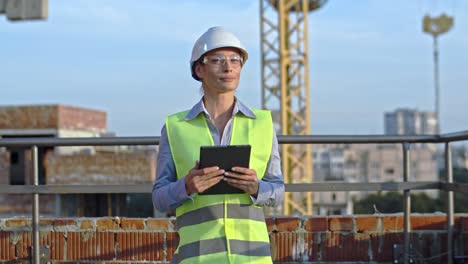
<point>365,163</point>
<point>460,157</point>
<point>69,165</point>
<point>405,121</point>
<point>376,162</point>
<point>334,163</point>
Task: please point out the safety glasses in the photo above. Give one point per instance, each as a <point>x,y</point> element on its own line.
<point>218,60</point>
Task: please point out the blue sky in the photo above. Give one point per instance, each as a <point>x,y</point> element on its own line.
<point>130,59</point>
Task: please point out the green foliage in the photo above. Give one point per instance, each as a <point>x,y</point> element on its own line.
<point>460,199</point>
<point>392,202</point>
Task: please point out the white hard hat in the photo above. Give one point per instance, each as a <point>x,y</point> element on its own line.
<point>215,38</point>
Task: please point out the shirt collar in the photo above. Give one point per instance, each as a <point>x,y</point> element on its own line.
<point>239,107</point>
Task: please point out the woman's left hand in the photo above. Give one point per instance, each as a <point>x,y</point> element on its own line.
<point>244,179</point>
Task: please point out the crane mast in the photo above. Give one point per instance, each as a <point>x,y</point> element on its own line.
<point>285,88</point>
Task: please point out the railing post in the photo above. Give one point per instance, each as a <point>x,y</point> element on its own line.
<point>450,202</point>
<point>406,202</point>
<point>35,216</point>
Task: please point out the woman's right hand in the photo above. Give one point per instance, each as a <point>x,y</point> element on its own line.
<point>199,180</point>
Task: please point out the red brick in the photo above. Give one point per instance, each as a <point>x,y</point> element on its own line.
<point>382,246</point>
<point>5,167</point>
<point>24,244</point>
<point>428,222</point>
<point>366,223</point>
<point>392,223</point>
<point>346,247</point>
<point>425,246</point>
<point>64,222</point>
<point>115,168</point>
<point>442,238</point>
<point>270,223</point>
<point>89,246</point>
<point>132,224</point>
<point>107,244</point>
<point>340,224</point>
<point>104,224</point>
<point>56,243</point>
<point>18,223</point>
<point>172,240</point>
<point>7,249</point>
<point>457,222</point>
<point>46,222</point>
<point>290,246</point>
<point>464,224</point>
<point>465,242</point>
<point>77,118</point>
<point>287,223</point>
<point>157,224</point>
<point>152,250</point>
<point>137,246</point>
<point>313,243</point>
<point>87,224</point>
<point>314,224</point>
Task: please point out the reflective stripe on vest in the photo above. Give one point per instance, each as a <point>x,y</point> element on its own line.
<point>226,228</point>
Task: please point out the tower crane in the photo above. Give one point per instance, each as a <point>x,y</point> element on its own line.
<point>285,87</point>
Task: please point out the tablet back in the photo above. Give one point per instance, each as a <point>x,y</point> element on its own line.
<point>225,157</point>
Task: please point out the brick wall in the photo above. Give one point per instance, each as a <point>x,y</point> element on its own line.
<point>76,118</point>
<point>101,168</point>
<point>52,117</point>
<point>20,204</point>
<point>4,167</point>
<point>309,239</point>
<point>28,117</point>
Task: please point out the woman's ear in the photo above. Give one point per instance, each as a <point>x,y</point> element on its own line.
<point>199,70</point>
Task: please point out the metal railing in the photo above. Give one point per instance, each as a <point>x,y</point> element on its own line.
<point>406,186</point>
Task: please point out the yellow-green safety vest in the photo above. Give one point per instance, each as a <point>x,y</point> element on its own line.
<point>224,228</point>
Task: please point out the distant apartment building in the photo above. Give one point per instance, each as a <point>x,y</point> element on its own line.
<point>68,165</point>
<point>365,163</point>
<point>460,157</point>
<point>334,164</point>
<point>404,121</point>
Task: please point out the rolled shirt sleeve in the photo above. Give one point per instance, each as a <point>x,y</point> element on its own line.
<point>168,192</point>
<point>271,186</point>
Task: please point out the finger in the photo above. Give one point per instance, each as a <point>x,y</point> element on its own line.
<point>237,181</point>
<point>204,171</point>
<point>213,174</point>
<point>243,170</point>
<point>208,170</point>
<point>209,183</point>
<point>233,175</point>
<point>240,176</point>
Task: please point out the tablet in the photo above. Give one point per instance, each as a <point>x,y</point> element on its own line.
<point>225,157</point>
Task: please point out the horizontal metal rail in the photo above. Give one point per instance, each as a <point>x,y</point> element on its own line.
<point>292,187</point>
<point>404,186</point>
<point>283,139</point>
<point>63,142</point>
<point>455,187</point>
